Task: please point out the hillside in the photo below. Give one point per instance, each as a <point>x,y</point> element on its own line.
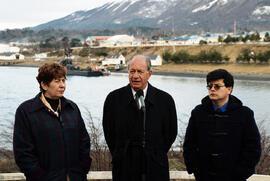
<point>195,15</point>
<point>231,50</point>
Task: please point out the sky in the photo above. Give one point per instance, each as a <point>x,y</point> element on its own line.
<point>28,13</point>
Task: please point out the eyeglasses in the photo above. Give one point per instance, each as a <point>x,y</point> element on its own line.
<point>216,86</point>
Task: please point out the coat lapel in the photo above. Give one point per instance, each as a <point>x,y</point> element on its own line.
<point>128,96</point>
<point>150,96</point>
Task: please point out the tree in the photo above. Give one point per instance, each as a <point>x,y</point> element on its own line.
<point>67,51</point>
<point>252,37</point>
<point>202,42</point>
<point>175,58</point>
<point>263,57</point>
<point>101,158</point>
<point>215,56</point>
<point>75,42</point>
<point>49,43</point>
<point>263,167</point>
<point>266,37</point>
<point>166,56</point>
<point>257,36</point>
<point>155,37</point>
<point>65,42</point>
<point>246,55</point>
<point>228,39</point>
<point>182,56</point>
<point>220,39</point>
<point>226,58</point>
<point>101,53</point>
<point>84,52</point>
<point>66,46</point>
<point>202,56</point>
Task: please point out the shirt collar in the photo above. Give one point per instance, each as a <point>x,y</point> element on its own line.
<point>144,92</point>
<point>222,108</point>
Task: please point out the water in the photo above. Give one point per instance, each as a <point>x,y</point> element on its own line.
<point>18,84</point>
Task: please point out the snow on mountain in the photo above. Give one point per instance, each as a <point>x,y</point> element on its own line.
<point>264,10</point>
<point>223,2</point>
<point>151,11</point>
<point>205,7</point>
<point>130,4</point>
<point>206,15</point>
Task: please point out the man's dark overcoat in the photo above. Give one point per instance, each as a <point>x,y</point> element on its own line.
<point>47,148</point>
<point>122,124</point>
<point>222,146</point>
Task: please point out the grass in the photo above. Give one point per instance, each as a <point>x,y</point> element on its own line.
<point>231,67</point>
<point>230,50</point>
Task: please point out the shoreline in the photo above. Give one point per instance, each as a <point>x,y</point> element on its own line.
<point>179,73</point>
<point>237,76</point>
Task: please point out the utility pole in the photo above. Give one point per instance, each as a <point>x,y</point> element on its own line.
<point>173,33</point>
<point>234,28</point>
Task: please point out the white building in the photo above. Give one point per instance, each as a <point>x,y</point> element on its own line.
<point>40,57</point>
<point>193,40</point>
<point>11,56</point>
<point>10,53</point>
<point>6,48</point>
<point>119,40</point>
<point>156,60</point>
<point>114,60</point>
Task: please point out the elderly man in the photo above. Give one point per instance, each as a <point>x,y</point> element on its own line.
<point>50,139</point>
<point>222,141</point>
<point>139,135</point>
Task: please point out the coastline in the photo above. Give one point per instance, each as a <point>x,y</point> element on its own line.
<point>179,73</point>
<point>237,76</point>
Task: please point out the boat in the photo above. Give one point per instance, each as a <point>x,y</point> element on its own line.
<point>84,73</point>
<point>72,70</point>
<point>116,68</point>
<point>106,72</point>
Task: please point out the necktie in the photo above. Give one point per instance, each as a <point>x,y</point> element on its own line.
<point>137,101</point>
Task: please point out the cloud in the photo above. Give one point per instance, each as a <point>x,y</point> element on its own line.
<point>19,14</point>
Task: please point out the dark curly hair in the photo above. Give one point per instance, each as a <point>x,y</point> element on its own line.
<point>50,71</point>
<point>220,74</point>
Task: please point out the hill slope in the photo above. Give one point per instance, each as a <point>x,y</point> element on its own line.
<point>207,15</point>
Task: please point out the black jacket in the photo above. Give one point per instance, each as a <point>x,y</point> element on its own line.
<point>122,124</point>
<point>47,148</point>
<point>222,146</point>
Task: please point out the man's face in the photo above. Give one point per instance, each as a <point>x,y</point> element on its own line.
<point>55,89</point>
<point>218,92</point>
<point>138,73</point>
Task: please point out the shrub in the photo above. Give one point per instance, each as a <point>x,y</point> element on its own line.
<point>226,58</point>
<point>202,42</point>
<point>202,56</point>
<point>263,57</point>
<point>84,52</point>
<point>214,56</point>
<point>101,53</point>
<point>166,56</point>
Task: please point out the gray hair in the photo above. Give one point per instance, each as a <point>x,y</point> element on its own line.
<point>147,59</point>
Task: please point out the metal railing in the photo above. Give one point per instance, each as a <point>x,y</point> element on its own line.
<point>107,175</point>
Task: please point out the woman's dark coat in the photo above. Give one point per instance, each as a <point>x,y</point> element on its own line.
<point>222,146</point>
<point>47,148</point>
<point>122,124</point>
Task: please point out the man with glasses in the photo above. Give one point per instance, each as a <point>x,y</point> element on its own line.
<point>222,141</point>
<point>139,146</point>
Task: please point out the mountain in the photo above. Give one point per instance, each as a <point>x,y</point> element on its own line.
<point>207,15</point>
